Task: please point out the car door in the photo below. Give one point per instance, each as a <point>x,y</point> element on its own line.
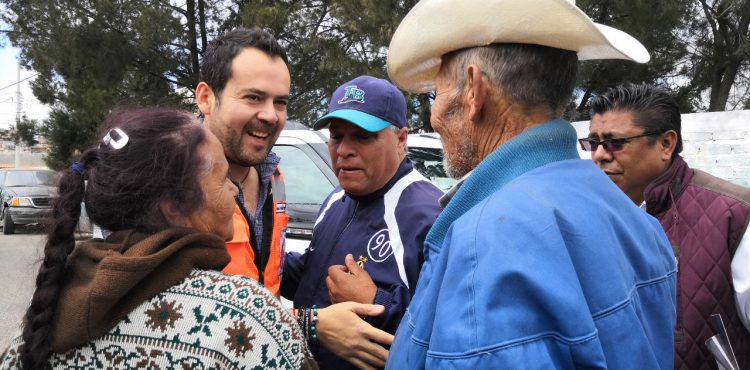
<point>308,178</point>
<point>2,191</point>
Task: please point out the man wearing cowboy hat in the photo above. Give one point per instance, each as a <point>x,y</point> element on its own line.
<point>538,260</point>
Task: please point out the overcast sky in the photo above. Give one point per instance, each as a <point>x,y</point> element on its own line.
<point>8,77</point>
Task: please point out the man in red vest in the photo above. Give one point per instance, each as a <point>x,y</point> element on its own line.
<point>635,138</point>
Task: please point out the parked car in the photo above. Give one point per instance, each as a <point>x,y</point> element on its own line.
<point>26,196</point>
<point>308,176</point>
<point>426,152</point>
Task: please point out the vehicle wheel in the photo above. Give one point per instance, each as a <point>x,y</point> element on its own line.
<point>8,226</point>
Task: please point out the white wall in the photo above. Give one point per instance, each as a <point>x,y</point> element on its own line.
<point>717,142</point>
<point>25,159</point>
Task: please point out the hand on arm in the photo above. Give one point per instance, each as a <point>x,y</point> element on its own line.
<point>341,330</point>
<point>350,283</point>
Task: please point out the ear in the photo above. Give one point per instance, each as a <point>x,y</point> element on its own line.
<point>205,98</point>
<point>172,216</point>
<point>403,134</point>
<point>667,144</point>
<point>476,92</point>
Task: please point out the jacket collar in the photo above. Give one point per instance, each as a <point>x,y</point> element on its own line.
<point>660,193</point>
<point>268,167</point>
<point>540,145</point>
<point>446,198</point>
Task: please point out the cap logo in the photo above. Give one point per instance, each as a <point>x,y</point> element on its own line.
<point>352,93</point>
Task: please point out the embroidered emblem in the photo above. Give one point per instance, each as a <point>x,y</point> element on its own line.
<point>379,246</point>
<point>281,207</point>
<point>352,93</point>
<point>361,262</point>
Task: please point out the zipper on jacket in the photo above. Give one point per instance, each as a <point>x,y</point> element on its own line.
<point>333,244</point>
<point>253,240</point>
<point>264,250</point>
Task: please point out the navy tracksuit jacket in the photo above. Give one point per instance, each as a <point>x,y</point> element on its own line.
<point>383,231</point>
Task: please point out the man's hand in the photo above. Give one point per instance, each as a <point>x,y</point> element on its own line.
<point>341,330</point>
<point>350,283</point>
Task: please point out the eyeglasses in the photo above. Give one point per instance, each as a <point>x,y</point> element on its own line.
<point>611,145</point>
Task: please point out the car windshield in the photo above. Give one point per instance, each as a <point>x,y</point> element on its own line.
<point>305,183</point>
<point>30,178</point>
<point>429,162</point>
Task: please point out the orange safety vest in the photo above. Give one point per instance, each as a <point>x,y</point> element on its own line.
<point>241,250</point>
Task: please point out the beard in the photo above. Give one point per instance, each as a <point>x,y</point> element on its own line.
<point>235,149</point>
<point>247,158</point>
<point>457,163</point>
<point>461,161</point>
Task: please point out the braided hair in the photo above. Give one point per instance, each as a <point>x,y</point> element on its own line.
<point>122,187</point>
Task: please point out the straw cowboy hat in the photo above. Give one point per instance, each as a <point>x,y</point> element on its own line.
<point>436,27</point>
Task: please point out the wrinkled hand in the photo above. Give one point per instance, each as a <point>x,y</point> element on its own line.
<point>350,283</point>
<point>341,330</point>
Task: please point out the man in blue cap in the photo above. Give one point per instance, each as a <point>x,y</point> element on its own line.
<point>367,241</point>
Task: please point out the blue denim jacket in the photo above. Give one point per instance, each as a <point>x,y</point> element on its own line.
<point>540,262</point>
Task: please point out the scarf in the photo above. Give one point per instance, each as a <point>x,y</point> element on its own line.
<point>106,279</point>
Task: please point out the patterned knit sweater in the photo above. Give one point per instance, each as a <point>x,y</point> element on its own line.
<point>206,321</point>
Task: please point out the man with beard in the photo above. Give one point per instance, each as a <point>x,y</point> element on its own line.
<point>537,261</point>
<point>243,95</point>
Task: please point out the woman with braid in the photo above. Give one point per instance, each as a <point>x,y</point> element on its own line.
<point>150,295</point>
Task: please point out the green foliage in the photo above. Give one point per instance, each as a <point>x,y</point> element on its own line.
<point>26,131</point>
<point>92,55</point>
<point>69,135</point>
<point>655,24</point>
<point>720,35</point>
<point>328,42</point>
<point>6,134</point>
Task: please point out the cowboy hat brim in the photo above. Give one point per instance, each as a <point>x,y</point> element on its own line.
<point>434,28</point>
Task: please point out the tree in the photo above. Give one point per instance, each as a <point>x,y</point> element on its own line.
<point>93,55</point>
<point>372,24</point>
<point>26,131</point>
<point>656,25</point>
<point>328,42</point>
<point>720,36</point>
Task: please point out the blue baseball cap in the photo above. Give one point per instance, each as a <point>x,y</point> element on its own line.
<point>368,102</point>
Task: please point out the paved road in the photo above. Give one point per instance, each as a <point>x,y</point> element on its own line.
<point>19,257</point>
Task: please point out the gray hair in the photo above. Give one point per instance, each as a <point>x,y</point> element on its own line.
<point>397,130</point>
<point>531,75</point>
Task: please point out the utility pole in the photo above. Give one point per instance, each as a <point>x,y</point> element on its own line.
<point>19,108</point>
<point>19,97</point>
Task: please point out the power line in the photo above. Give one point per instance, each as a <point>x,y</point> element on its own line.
<point>18,82</point>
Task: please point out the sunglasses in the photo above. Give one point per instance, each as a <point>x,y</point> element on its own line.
<point>611,145</point>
